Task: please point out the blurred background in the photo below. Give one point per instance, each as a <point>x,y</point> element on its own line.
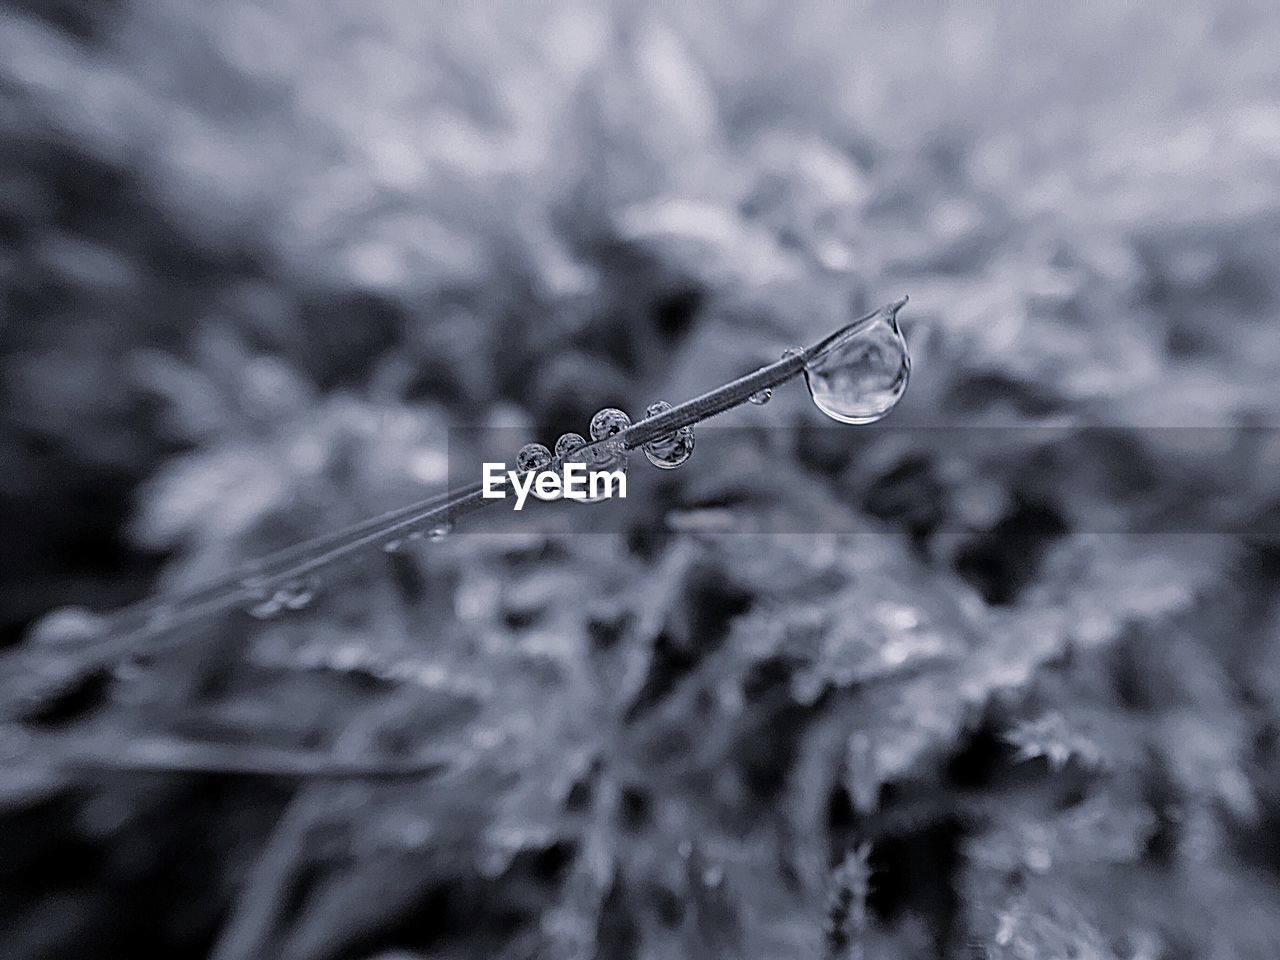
<point>258,260</point>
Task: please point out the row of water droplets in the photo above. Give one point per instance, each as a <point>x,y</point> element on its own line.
<point>857,378</point>
<point>666,452</point>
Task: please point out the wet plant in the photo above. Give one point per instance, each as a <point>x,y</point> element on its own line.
<point>855,375</point>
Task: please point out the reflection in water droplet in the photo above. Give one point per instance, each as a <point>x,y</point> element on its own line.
<point>761,397</point>
<point>439,532</point>
<point>608,422</point>
<point>670,451</point>
<point>533,456</point>
<point>863,373</point>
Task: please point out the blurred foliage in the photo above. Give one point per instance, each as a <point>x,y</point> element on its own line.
<point>257,258</point>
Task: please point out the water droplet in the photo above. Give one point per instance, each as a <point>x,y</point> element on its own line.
<point>259,602</point>
<point>297,594</point>
<point>608,422</point>
<point>265,602</point>
<point>391,546</point>
<point>568,443</point>
<point>761,397</point>
<point>670,451</point>
<point>439,532</point>
<point>791,352</point>
<point>66,625</point>
<point>863,371</point>
<point>266,609</point>
<point>533,456</point>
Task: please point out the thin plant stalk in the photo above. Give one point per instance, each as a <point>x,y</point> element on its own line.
<point>151,619</point>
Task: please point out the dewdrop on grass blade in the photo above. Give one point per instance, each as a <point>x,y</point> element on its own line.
<point>568,443</point>
<point>761,397</point>
<point>670,451</point>
<point>533,456</point>
<point>604,451</point>
<point>567,447</point>
<point>608,422</point>
<point>863,372</point>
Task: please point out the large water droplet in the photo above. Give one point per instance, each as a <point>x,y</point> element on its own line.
<point>761,397</point>
<point>863,372</point>
<point>670,451</point>
<point>533,456</point>
<point>608,422</point>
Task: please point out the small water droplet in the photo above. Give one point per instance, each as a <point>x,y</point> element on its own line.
<point>266,609</point>
<point>391,546</point>
<point>713,876</point>
<point>259,602</point>
<point>439,532</point>
<point>265,602</point>
<point>568,443</point>
<point>791,352</point>
<point>66,625</point>
<point>608,422</point>
<point>761,397</point>
<point>672,450</point>
<point>297,594</point>
<point>863,372</point>
<point>533,456</point>
<point>607,457</point>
